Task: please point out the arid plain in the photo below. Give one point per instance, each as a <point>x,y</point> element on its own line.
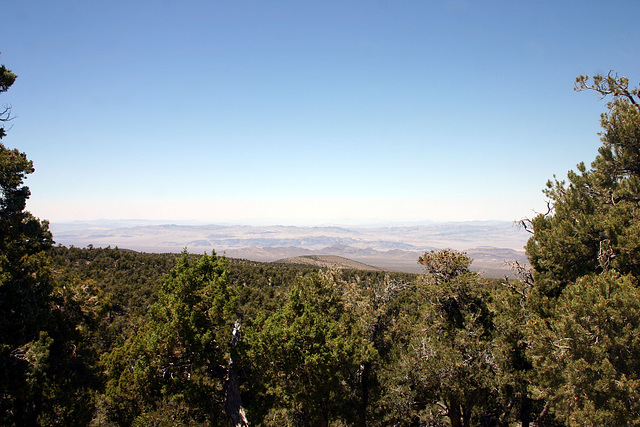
<point>492,244</point>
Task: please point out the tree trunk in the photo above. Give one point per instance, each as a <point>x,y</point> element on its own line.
<point>365,384</point>
<point>455,414</point>
<point>233,401</point>
<point>466,415</point>
<point>525,412</point>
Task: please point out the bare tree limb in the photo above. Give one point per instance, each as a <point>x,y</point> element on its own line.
<point>545,411</point>
<point>612,84</point>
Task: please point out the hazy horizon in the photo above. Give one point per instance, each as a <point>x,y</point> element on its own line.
<point>267,222</point>
<point>441,216</point>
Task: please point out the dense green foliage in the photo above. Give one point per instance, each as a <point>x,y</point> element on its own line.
<point>307,354</point>
<point>102,336</point>
<point>171,368</point>
<point>588,357</point>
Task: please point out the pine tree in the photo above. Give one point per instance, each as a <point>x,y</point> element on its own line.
<point>306,356</point>
<point>587,358</point>
<point>172,370</point>
<point>592,224</point>
<point>444,367</point>
<point>585,254</point>
<point>30,353</point>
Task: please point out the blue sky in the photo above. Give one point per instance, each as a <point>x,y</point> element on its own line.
<point>306,112</point>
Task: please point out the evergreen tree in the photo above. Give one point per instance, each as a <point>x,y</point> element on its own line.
<point>444,369</point>
<point>172,370</point>
<point>306,357</point>
<point>511,338</point>
<point>585,255</point>
<point>36,370</point>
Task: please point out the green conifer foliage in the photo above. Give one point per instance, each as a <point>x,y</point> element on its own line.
<point>444,368</point>
<point>172,370</point>
<point>588,358</point>
<point>7,78</point>
<point>306,357</point>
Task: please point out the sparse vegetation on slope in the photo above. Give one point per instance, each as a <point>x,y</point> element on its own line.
<point>329,261</point>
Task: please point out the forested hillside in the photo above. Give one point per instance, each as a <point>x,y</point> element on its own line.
<point>95,336</point>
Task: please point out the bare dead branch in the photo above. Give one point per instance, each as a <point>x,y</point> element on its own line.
<point>5,115</point>
<point>526,224</point>
<point>612,84</point>
<point>545,411</point>
<point>524,275</point>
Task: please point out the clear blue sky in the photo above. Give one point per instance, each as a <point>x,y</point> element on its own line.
<point>306,112</point>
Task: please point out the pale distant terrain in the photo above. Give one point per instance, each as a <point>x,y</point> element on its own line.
<point>490,243</point>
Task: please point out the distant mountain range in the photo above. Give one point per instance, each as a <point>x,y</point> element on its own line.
<point>490,243</point>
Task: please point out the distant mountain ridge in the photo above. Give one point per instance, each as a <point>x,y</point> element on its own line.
<point>457,235</point>
<point>390,247</point>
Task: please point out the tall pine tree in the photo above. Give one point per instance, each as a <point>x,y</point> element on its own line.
<point>45,378</point>
<point>585,254</point>
<point>25,288</point>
